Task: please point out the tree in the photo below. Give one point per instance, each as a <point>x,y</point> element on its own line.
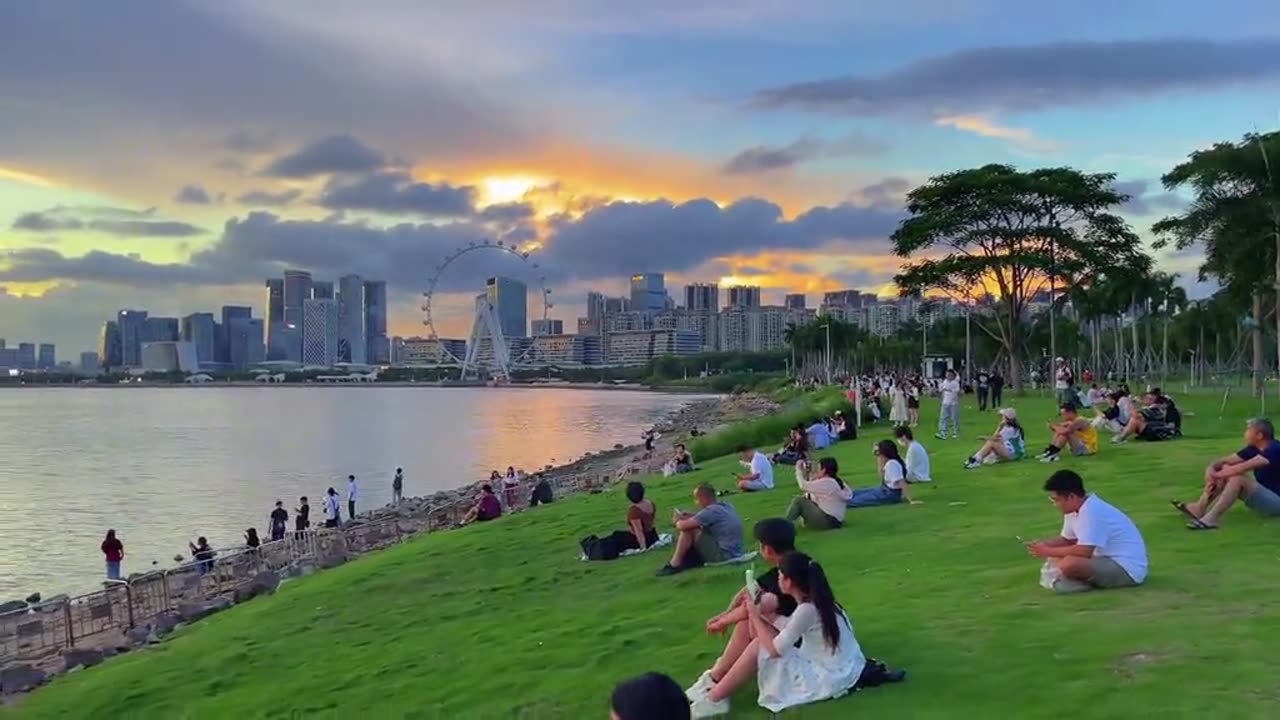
<point>996,229</point>
<point>1167,299</point>
<point>1236,215</point>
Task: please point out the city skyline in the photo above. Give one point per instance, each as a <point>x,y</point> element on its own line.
<point>769,145</point>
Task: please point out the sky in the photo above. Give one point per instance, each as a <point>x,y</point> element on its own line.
<point>170,155</point>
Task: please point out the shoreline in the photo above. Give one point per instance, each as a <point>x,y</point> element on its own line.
<point>664,389</point>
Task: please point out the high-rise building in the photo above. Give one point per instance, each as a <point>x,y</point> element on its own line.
<point>132,327</point>
<point>161,329</point>
<point>510,302</point>
<point>230,314</point>
<point>648,293</point>
<point>847,298</point>
<point>744,296</point>
<point>378,348</point>
<point>320,332</point>
<point>297,290</point>
<point>794,301</point>
<point>89,362</point>
<point>109,345</point>
<point>46,357</point>
<point>546,327</point>
<point>201,330</point>
<point>27,356</point>
<point>322,289</point>
<point>702,296</point>
<point>353,345</point>
<point>273,315</point>
<point>245,342</point>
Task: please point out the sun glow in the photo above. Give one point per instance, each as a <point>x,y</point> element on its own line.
<point>495,190</point>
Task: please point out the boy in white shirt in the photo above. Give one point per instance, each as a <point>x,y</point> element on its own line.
<point>1099,547</point>
<point>918,470</point>
<point>950,415</point>
<point>760,470</point>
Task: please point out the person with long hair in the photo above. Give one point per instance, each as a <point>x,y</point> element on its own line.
<point>892,470</point>
<point>813,657</point>
<point>913,404</point>
<point>822,507</point>
<point>1007,444</point>
<point>113,549</point>
<point>919,467</point>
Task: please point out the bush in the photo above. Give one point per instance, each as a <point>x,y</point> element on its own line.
<point>771,431</point>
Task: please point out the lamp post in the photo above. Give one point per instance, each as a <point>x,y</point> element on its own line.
<point>828,327</point>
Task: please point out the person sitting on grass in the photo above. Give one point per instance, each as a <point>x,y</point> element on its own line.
<point>1110,417</point>
<point>487,507</point>
<point>681,460</point>
<point>711,535</point>
<point>1099,546</point>
<point>818,434</point>
<point>1073,432</point>
<point>797,447</point>
<point>813,657</point>
<point>759,474</point>
<point>1008,444</point>
<point>640,516</point>
<point>1154,422</point>
<point>822,507</point>
<point>918,470</point>
<point>652,696</point>
<point>1227,479</point>
<point>845,428</point>
<point>893,480</point>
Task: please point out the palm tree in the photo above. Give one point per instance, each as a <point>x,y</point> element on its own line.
<point>1167,299</point>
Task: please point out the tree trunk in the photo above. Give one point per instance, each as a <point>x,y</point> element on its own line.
<point>1133,327</point>
<point>1257,344</point>
<point>1164,353</point>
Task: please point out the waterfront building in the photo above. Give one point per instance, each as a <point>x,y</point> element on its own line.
<point>201,330</point>
<point>637,347</point>
<point>648,293</point>
<point>560,349</point>
<point>297,290</point>
<point>418,351</point>
<point>245,343</point>
<point>131,324</point>
<point>89,362</point>
<point>706,323</point>
<point>703,297</point>
<point>230,314</point>
<point>46,356</point>
<point>744,296</point>
<point>509,298</point>
<point>322,290</point>
<point>377,346</point>
<point>546,327</point>
<point>353,345</point>
<point>27,356</point>
<point>161,329</point>
<point>320,332</point>
<point>627,321</point>
<point>109,352</point>
<point>169,356</point>
<point>273,316</point>
<point>794,301</point>
<point>756,329</point>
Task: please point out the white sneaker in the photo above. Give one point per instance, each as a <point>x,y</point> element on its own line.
<point>700,689</point>
<point>1051,458</point>
<point>703,707</point>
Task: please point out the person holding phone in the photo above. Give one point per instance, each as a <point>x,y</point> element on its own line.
<point>760,471</point>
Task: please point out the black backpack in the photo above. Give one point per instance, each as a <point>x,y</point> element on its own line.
<point>600,548</point>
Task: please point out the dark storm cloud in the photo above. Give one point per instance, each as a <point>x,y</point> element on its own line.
<point>41,264</point>
<point>266,198</point>
<point>193,195</point>
<point>763,159</point>
<point>113,221</point>
<point>1033,77</point>
<point>396,193</point>
<point>326,156</point>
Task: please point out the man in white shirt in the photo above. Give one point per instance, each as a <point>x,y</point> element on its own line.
<point>950,415</point>
<point>1063,381</point>
<point>331,510</point>
<point>819,435</point>
<point>918,470</point>
<point>1099,547</point>
<point>760,470</point>
<point>352,493</point>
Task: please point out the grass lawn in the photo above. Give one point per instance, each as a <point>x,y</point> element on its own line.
<point>504,621</point>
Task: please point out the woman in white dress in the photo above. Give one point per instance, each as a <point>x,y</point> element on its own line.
<point>814,656</point>
<point>898,411</point>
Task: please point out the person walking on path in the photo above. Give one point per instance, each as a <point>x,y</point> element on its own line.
<point>397,487</point>
<point>949,418</point>
<point>279,521</point>
<point>332,513</point>
<point>353,492</point>
<point>113,549</point>
<point>302,516</point>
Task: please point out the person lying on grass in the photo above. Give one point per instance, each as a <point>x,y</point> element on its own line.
<point>813,656</point>
<point>1099,547</point>
<point>775,538</point>
<point>822,507</point>
<point>1007,444</point>
<point>652,696</point>
<point>918,466</point>
<point>711,535</point>
<point>1227,479</point>
<point>1073,432</point>
<point>759,475</point>
<point>892,490</point>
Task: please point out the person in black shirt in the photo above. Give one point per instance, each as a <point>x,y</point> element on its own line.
<point>997,388</point>
<point>302,516</point>
<point>279,520</point>
<point>776,537</point>
<point>251,539</point>
<point>983,390</point>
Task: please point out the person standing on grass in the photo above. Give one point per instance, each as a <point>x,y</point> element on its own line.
<point>997,388</point>
<point>332,513</point>
<point>822,507</point>
<point>1064,382</point>
<point>1099,546</point>
<point>949,419</point>
<point>113,550</point>
<point>711,535</point>
<point>279,521</point>
<point>759,474</point>
<point>918,470</point>
<point>1227,479</point>
<point>397,487</point>
<point>1073,432</point>
<point>353,493</point>
<point>983,390</point>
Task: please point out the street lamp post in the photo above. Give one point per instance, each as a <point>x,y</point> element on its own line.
<point>828,327</point>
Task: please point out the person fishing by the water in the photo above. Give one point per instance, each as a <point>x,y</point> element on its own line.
<point>397,487</point>
<point>302,516</point>
<point>113,549</point>
<point>352,493</point>
<point>331,509</point>
<point>279,521</point>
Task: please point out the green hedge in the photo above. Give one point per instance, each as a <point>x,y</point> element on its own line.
<point>768,433</point>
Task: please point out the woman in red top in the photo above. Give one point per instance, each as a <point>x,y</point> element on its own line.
<point>114,550</point>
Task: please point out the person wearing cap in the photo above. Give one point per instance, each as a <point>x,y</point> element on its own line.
<point>1064,381</point>
<point>1227,479</point>
<point>1007,444</point>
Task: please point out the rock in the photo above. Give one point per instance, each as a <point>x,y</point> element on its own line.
<point>82,657</point>
<point>165,623</point>
<point>21,678</point>
<point>264,583</point>
<point>138,635</point>
<point>33,599</point>
<point>193,611</point>
<point>12,605</point>
<point>332,561</point>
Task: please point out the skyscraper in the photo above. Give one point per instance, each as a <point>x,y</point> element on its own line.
<point>273,315</point>
<point>245,346</point>
<point>230,314</point>
<point>320,332</point>
<point>744,296</point>
<point>648,293</point>
<point>201,330</point>
<point>27,356</point>
<point>297,289</point>
<point>160,329</point>
<point>702,296</point>
<point>378,348</point>
<point>109,345</point>
<point>794,301</point>
<point>541,327</point>
<point>46,357</point>
<point>131,324</point>
<point>353,345</point>
<point>510,302</point>
<point>322,289</point>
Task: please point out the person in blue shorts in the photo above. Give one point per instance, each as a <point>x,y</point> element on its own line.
<point>1227,479</point>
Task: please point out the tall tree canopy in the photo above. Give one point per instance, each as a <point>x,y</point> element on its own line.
<point>995,229</point>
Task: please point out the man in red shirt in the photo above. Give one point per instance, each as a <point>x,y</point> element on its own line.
<point>113,549</point>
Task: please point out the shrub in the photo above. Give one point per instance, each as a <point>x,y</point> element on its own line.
<point>770,431</point>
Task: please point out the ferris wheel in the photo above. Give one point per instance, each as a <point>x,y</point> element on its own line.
<point>489,348</point>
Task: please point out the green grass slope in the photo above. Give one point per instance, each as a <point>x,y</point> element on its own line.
<point>504,621</point>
